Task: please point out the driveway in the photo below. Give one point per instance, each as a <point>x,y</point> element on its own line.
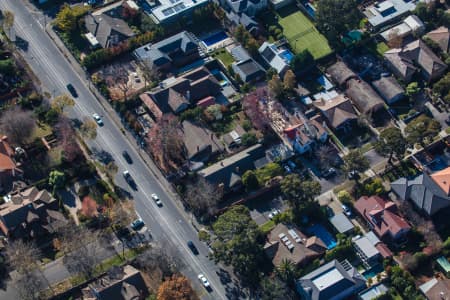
<point>261,207</point>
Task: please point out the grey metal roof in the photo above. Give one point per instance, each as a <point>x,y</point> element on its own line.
<point>341,223</point>
<point>366,247</point>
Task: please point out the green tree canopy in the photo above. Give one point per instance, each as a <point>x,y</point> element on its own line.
<point>355,161</point>
<point>302,61</point>
<point>239,243</point>
<point>57,179</point>
<point>334,18</point>
<point>422,130</point>
<point>299,192</point>
<point>391,143</point>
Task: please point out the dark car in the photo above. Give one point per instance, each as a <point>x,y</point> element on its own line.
<point>137,224</point>
<point>129,179</point>
<point>329,173</point>
<point>192,247</point>
<point>127,157</point>
<point>72,90</point>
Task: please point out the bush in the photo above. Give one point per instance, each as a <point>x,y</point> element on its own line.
<point>83,191</point>
<point>203,235</point>
<point>248,139</point>
<point>374,188</point>
<point>344,197</point>
<point>250,180</point>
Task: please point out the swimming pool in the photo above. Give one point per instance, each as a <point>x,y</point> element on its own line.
<point>374,271</point>
<point>326,237</point>
<point>287,55</point>
<point>215,38</point>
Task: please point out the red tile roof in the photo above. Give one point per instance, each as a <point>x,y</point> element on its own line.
<point>6,152</point>
<point>381,215</point>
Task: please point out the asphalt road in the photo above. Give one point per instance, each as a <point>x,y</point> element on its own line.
<point>167,223</point>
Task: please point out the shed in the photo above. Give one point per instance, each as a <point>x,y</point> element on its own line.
<point>342,223</point>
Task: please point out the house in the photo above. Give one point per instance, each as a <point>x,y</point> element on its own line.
<point>120,283</point>
<point>200,142</point>
<point>288,243</point>
<point>382,217</point>
<point>338,112</point>
<point>304,134</point>
<point>248,70</point>
<point>234,19</point>
<point>9,169</point>
<point>332,281</point>
<point>340,73</point>
<point>429,192</point>
<point>363,96</point>
<point>341,223</point>
<point>275,57</point>
<point>175,95</point>
<point>173,52</point>
<point>373,292</point>
<point>366,251</point>
<point>385,12</point>
<point>403,61</point>
<point>248,7</point>
<point>106,31</point>
<point>30,213</point>
<point>227,173</point>
<point>389,89</point>
<point>410,25</point>
<point>232,139</point>
<point>441,36</point>
<point>379,245</point>
<point>166,12</point>
<point>436,288</point>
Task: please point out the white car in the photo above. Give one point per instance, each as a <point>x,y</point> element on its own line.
<point>274,213</point>
<point>98,119</point>
<point>204,281</point>
<point>156,199</point>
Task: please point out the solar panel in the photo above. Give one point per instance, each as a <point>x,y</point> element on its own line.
<point>168,12</point>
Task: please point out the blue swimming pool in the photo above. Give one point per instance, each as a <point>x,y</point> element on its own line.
<point>437,164</point>
<point>326,237</point>
<point>215,38</point>
<point>374,271</point>
<point>287,55</point>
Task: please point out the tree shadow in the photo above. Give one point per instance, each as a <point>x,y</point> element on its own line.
<point>21,43</point>
<point>102,156</point>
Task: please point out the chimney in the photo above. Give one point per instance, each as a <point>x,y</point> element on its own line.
<point>198,148</point>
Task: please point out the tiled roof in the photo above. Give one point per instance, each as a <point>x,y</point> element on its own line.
<point>442,179</point>
<point>441,36</point>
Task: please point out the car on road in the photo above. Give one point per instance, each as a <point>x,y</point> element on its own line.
<point>204,281</point>
<point>127,157</point>
<point>98,119</point>
<point>329,173</point>
<point>137,224</point>
<point>273,213</point>
<point>191,246</point>
<point>156,199</point>
<point>346,210</point>
<point>72,90</point>
<point>129,179</point>
<point>447,121</point>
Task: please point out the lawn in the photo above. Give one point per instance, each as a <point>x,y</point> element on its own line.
<point>301,33</point>
<point>223,55</point>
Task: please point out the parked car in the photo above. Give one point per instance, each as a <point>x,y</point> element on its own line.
<point>287,169</point>
<point>156,199</point>
<point>98,119</point>
<point>346,210</point>
<point>191,246</point>
<point>273,213</point>
<point>127,157</point>
<point>137,224</point>
<point>204,281</point>
<point>353,175</point>
<point>329,173</point>
<point>72,90</point>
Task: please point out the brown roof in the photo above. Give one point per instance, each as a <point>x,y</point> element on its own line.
<point>277,250</point>
<point>337,110</point>
<point>440,290</point>
<point>442,37</point>
<point>363,96</point>
<point>384,250</point>
<point>419,53</point>
<point>442,179</point>
<point>199,139</point>
<point>340,73</point>
<point>381,215</point>
<point>388,88</point>
<point>103,27</point>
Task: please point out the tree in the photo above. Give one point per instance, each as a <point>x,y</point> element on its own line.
<point>8,21</point>
<point>239,243</point>
<point>117,76</point>
<point>412,89</point>
<point>422,130</point>
<point>248,139</point>
<point>391,143</point>
<point>302,61</point>
<point>289,80</point>
<point>202,197</point>
<point>57,179</point>
<point>344,197</point>
<point>395,40</point>
<point>274,289</point>
<point>149,74</point>
<point>275,87</point>
<point>355,161</point>
<point>60,102</point>
<point>17,124</point>
<point>334,18</point>
<point>66,19</point>
<point>254,111</point>
<point>326,156</point>
<point>165,143</point>
<point>299,192</point>
<point>286,271</point>
<point>161,258</point>
<point>176,287</point>
<point>250,181</point>
<point>89,128</point>
<point>67,138</point>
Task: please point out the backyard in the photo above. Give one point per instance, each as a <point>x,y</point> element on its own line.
<point>223,55</point>
<point>298,30</point>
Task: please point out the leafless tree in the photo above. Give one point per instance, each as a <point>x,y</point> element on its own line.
<point>325,156</point>
<point>67,138</point>
<point>88,129</point>
<point>149,74</point>
<point>160,257</point>
<point>28,285</point>
<point>117,76</point>
<point>395,39</point>
<point>202,197</point>
<point>17,124</point>
<point>253,109</point>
